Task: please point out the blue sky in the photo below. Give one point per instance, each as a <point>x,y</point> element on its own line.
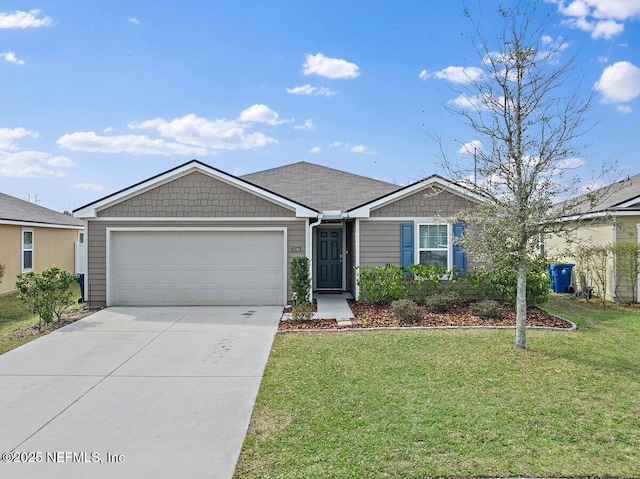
<point>96,96</point>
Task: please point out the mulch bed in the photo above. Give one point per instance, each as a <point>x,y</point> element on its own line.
<point>381,316</point>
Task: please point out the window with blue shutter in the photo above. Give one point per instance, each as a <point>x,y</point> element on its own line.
<point>406,245</point>
<point>459,256</point>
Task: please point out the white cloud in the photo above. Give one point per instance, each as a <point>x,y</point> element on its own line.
<point>261,114</point>
<point>329,67</point>
<point>59,161</point>
<point>624,109</point>
<point>311,90</point>
<point>468,102</point>
<point>365,150</point>
<point>454,74</point>
<point>471,147</point>
<point>134,20</point>
<point>20,19</point>
<point>187,135</point>
<point>600,18</point>
<point>11,58</point>
<point>619,83</point>
<point>9,135</point>
<point>308,125</point>
<point>361,149</point>
<point>88,186</point>
<point>315,149</point>
<point>133,144</point>
<point>28,164</point>
<point>211,134</point>
<point>109,129</point>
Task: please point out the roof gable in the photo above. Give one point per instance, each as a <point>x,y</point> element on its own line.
<point>322,188</point>
<point>16,211</point>
<point>434,183</point>
<point>92,210</point>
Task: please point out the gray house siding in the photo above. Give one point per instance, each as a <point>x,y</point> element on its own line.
<point>196,195</point>
<point>379,242</point>
<point>431,202</point>
<point>96,237</point>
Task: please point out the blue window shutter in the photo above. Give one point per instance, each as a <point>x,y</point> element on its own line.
<point>459,256</point>
<point>406,245</point>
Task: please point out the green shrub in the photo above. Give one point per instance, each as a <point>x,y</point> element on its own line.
<point>46,294</point>
<point>2,269</point>
<point>428,280</point>
<point>382,284</point>
<point>501,283</point>
<point>302,312</point>
<point>441,302</point>
<point>406,310</point>
<point>300,280</point>
<point>487,309</point>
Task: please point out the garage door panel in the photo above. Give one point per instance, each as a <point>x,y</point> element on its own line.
<point>196,267</point>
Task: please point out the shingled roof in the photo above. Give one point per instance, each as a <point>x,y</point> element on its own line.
<point>620,196</point>
<point>320,187</point>
<point>14,210</point>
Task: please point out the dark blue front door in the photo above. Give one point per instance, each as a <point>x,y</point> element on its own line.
<point>329,258</point>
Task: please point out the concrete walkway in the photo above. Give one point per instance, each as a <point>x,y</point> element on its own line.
<point>334,306</point>
<point>135,393</point>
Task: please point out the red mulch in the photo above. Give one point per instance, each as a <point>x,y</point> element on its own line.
<point>381,316</point>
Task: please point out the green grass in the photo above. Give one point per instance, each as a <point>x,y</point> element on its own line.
<point>454,403</point>
<point>17,322</point>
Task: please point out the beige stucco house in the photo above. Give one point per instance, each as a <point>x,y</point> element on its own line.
<point>196,235</point>
<point>32,238</point>
<point>614,219</point>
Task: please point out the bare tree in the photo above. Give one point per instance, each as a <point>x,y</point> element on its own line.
<point>526,127</point>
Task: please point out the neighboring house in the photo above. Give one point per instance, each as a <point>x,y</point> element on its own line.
<point>197,235</point>
<point>32,238</point>
<point>615,218</point>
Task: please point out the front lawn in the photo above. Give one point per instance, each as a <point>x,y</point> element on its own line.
<point>452,403</point>
<point>19,326</point>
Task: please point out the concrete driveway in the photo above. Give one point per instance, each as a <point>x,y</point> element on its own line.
<point>135,393</point>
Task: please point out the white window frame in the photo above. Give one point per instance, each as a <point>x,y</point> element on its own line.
<point>448,249</point>
<point>23,250</point>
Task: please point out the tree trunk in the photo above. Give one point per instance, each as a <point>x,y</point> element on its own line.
<point>521,307</point>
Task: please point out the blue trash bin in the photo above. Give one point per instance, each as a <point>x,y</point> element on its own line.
<point>80,281</point>
<point>561,276</point>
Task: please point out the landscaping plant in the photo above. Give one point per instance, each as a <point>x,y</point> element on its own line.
<point>442,302</point>
<point>300,281</point>
<point>406,310</point>
<point>486,309</point>
<point>500,282</point>
<point>47,294</point>
<point>382,284</point>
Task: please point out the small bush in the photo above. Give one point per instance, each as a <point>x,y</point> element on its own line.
<point>300,280</point>
<point>46,294</point>
<point>406,310</point>
<point>441,302</point>
<point>2,268</point>
<point>302,312</point>
<point>382,284</point>
<point>487,309</point>
<point>501,283</point>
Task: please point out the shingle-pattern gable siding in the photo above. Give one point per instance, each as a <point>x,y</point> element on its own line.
<point>432,201</point>
<point>196,195</point>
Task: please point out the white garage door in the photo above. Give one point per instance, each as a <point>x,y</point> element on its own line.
<point>196,268</point>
